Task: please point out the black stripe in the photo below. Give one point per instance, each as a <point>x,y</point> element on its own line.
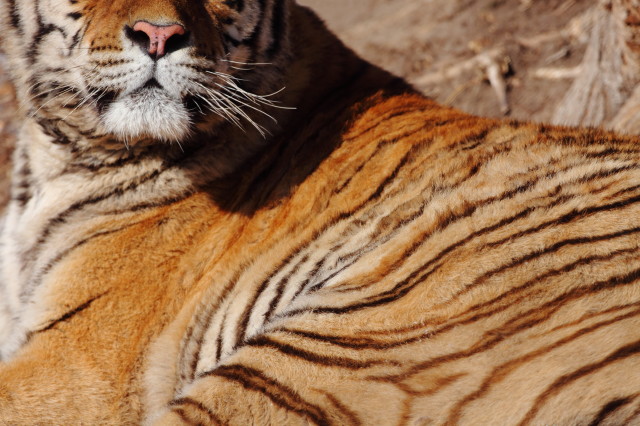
<point>72,313</point>
<point>246,314</point>
<point>332,361</point>
<point>21,189</point>
<point>543,312</point>
<point>405,286</point>
<point>613,153</point>
<point>14,17</point>
<point>62,217</point>
<point>278,28</point>
<point>219,338</point>
<point>42,31</point>
<point>499,373</point>
<point>457,321</point>
<point>631,417</point>
<point>254,38</point>
<point>279,394</point>
<point>601,174</point>
<point>282,285</point>
<point>242,327</point>
<point>621,354</point>
<point>445,222</point>
<point>37,278</point>
<point>402,222</point>
<point>49,128</point>
<point>624,191</point>
<point>183,416</point>
<point>184,374</point>
<point>498,335</point>
<point>75,41</point>
<point>569,217</point>
<point>382,144</point>
<point>395,112</point>
<point>35,282</point>
<point>195,335</point>
<point>610,407</point>
<point>92,165</point>
<point>241,331</point>
<point>197,405</point>
<point>208,317</point>
<point>515,262</point>
<point>388,180</point>
<point>521,289</point>
<point>342,408</point>
<point>230,40</point>
<point>381,238</point>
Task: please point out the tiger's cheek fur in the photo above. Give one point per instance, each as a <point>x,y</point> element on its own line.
<point>39,38</point>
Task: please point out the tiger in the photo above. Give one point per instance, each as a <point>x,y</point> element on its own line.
<point>220,214</point>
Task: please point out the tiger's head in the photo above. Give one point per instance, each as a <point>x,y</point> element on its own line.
<point>140,70</point>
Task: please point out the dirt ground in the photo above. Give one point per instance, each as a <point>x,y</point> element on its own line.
<point>511,58</point>
<point>445,47</point>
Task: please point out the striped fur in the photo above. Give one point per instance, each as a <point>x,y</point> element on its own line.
<point>369,258</point>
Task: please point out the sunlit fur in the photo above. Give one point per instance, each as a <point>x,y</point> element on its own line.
<point>276,232</point>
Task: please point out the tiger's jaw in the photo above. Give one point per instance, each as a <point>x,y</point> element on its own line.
<point>149,112</point>
<point>151,103</point>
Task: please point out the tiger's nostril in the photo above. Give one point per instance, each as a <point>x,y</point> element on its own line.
<point>138,38</point>
<point>157,40</point>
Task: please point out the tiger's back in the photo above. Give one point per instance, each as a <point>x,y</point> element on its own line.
<point>376,259</point>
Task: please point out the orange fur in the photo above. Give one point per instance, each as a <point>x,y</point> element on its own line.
<point>380,260</point>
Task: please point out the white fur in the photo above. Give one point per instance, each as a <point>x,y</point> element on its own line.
<point>148,113</point>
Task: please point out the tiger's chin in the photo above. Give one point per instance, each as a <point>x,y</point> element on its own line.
<point>148,113</point>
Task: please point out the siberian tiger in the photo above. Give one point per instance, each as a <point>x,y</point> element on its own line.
<point>221,215</point>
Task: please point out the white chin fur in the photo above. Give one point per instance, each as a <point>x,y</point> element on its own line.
<point>147,113</point>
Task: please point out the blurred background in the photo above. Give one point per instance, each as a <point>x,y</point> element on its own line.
<point>446,47</point>
<point>563,61</point>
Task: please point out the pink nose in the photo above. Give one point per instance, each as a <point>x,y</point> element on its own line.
<point>158,36</point>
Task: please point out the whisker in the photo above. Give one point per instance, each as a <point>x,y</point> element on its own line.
<point>217,108</point>
<point>70,89</point>
<point>246,63</point>
<point>88,97</point>
<point>238,99</point>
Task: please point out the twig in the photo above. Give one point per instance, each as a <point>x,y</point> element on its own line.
<point>552,73</point>
<point>489,61</point>
<point>496,79</point>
